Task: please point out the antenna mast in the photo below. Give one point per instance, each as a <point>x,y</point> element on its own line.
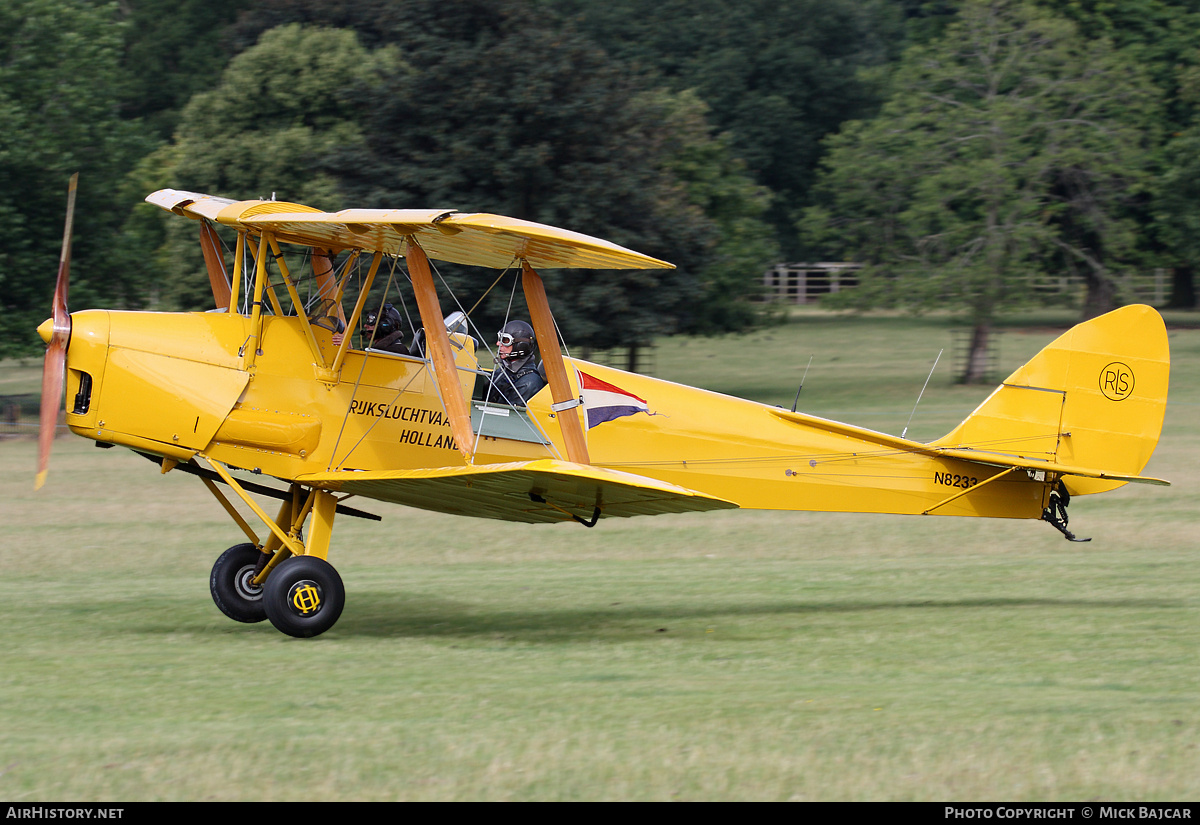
<point>797,401</point>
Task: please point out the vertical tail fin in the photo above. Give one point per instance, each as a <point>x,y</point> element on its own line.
<point>1093,398</point>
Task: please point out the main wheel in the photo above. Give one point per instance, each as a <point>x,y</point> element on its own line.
<point>231,587</point>
<point>304,596</point>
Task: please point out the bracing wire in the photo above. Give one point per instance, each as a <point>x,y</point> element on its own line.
<point>358,382</point>
<point>503,272</point>
<point>534,427</point>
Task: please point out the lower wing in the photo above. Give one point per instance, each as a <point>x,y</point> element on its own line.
<point>542,491</point>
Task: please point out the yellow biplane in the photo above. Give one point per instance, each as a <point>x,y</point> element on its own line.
<point>271,382</point>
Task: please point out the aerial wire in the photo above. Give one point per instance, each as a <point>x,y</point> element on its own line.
<point>922,392</point>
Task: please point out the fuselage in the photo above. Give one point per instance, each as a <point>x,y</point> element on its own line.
<point>174,384</point>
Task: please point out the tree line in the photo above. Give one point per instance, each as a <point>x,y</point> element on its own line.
<point>966,152</point>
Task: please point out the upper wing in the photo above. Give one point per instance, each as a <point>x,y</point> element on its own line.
<point>475,239</point>
<point>541,491</point>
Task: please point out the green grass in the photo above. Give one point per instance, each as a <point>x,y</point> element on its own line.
<point>21,376</point>
<point>733,655</point>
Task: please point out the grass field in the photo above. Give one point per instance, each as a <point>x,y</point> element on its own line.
<point>734,655</point>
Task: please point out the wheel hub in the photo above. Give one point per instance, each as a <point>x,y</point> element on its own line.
<point>305,598</point>
<point>244,584</point>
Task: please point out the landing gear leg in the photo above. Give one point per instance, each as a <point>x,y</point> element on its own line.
<point>304,595</point>
<point>288,582</point>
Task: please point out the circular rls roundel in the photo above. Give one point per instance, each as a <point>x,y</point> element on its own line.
<point>1116,381</point>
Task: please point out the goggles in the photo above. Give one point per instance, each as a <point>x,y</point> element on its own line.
<point>505,339</point>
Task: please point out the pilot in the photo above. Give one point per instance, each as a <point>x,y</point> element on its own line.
<point>383,330</point>
<point>518,374</point>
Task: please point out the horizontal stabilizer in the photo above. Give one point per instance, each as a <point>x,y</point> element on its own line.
<point>542,491</point>
<point>986,456</point>
<point>1036,465</point>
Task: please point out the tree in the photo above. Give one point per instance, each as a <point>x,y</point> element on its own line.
<point>1177,200</point>
<point>60,79</point>
<point>777,75</point>
<point>1009,148</point>
<point>280,116</point>
<point>716,182</point>
<point>275,124</point>
<point>504,108</point>
<point>173,49</point>
<point>1163,37</point>
<point>551,131</point>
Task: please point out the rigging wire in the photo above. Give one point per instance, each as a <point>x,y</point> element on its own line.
<point>391,403</point>
<point>828,458</point>
<point>412,328</point>
<point>503,272</point>
<point>358,381</point>
<point>534,427</point>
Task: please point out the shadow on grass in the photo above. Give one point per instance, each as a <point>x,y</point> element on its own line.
<point>392,615</point>
<point>384,615</point>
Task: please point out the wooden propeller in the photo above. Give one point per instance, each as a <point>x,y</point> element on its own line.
<point>57,337</point>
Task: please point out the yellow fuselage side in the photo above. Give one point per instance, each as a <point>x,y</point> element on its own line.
<point>176,383</point>
<point>749,453</point>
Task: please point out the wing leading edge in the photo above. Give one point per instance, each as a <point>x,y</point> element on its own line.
<point>542,491</point>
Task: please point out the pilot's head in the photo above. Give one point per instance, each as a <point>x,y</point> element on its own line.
<point>381,324</point>
<point>515,341</point>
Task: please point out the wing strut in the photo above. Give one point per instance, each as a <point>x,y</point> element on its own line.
<point>340,358</point>
<point>327,288</point>
<point>437,343</point>
<point>235,282</point>
<point>214,262</point>
<point>556,369</point>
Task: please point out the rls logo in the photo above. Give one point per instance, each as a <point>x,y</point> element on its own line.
<point>1116,381</point>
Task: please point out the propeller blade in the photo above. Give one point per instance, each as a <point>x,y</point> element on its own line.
<point>52,387</point>
<point>54,367</point>
<point>62,319</point>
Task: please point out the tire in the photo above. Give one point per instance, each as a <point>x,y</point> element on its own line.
<point>230,585</point>
<point>304,596</point>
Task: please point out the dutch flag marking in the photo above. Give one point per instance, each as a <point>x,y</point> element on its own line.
<point>606,402</point>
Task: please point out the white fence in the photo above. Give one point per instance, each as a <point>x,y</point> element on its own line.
<point>806,283</point>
